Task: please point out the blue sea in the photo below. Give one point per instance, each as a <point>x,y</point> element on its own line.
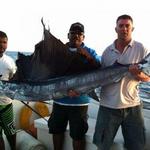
<point>14,54</point>
<point>144,87</point>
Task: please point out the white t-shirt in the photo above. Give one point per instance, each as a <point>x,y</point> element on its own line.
<point>7,69</point>
<point>125,93</point>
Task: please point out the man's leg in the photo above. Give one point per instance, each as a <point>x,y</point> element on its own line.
<point>8,125</point>
<point>107,124</point>
<point>57,124</point>
<point>133,129</point>
<point>79,144</point>
<point>2,145</point>
<point>58,141</point>
<point>78,126</point>
<point>12,141</point>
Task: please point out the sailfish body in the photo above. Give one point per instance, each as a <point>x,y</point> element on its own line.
<point>44,75</point>
<point>58,87</point>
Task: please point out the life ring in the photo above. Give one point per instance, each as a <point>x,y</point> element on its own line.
<point>26,113</point>
<point>24,119</point>
<point>41,109</point>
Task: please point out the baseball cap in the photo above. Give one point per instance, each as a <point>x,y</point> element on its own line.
<point>77,27</point>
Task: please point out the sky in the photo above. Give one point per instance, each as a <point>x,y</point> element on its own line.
<point>21,20</point>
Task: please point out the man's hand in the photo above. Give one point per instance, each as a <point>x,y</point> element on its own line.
<point>73,93</point>
<point>85,53</point>
<point>138,74</point>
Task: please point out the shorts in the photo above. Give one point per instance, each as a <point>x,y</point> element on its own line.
<point>131,122</point>
<point>7,121</point>
<point>75,115</point>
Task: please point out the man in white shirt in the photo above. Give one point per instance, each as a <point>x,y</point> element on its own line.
<point>7,69</point>
<point>120,104</point>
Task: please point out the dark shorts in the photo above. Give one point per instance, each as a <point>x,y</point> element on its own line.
<point>7,121</point>
<point>75,115</point>
<point>131,122</point>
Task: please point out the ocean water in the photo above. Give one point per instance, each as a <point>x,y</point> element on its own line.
<point>144,86</point>
<point>14,54</point>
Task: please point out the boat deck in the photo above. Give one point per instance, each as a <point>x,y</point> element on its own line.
<point>44,139</point>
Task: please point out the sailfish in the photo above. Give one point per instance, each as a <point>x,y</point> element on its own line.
<point>50,59</point>
<point>51,70</point>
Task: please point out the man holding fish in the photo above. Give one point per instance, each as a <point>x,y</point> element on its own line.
<point>120,103</point>
<point>73,108</point>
